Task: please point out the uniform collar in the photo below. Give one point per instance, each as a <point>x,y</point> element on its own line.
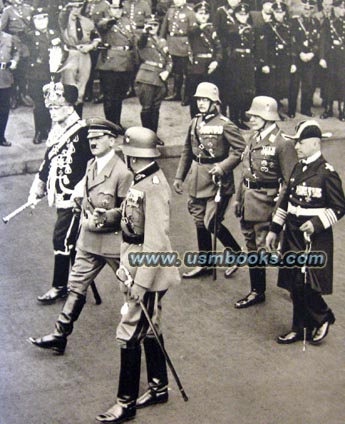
<point>101,162</point>
<point>311,158</point>
<point>146,172</point>
<point>266,131</point>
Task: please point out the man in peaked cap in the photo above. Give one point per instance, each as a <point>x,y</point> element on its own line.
<point>267,163</point>
<point>100,194</point>
<point>145,228</point>
<point>313,202</point>
<point>63,166</point>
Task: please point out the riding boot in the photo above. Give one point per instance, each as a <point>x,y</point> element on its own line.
<point>205,246</point>
<point>227,239</point>
<point>328,112</point>
<point>125,406</point>
<point>157,375</point>
<point>71,310</point>
<point>257,279</point>
<point>61,271</point>
<point>154,120</point>
<point>146,119</point>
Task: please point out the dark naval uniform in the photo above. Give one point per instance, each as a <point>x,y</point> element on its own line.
<point>267,165</point>
<point>116,63</point>
<point>205,47</point>
<point>306,34</point>
<point>154,59</point>
<point>38,74</point>
<point>279,56</point>
<point>332,49</point>
<point>212,139</point>
<point>176,24</point>
<point>314,193</point>
<point>63,167</point>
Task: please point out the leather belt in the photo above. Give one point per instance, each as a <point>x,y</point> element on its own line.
<point>133,239</point>
<point>260,184</point>
<point>208,160</point>
<point>150,62</point>
<point>5,65</point>
<point>204,55</point>
<point>299,211</point>
<point>121,48</point>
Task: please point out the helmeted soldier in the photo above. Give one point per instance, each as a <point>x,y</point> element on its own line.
<point>306,33</point>
<point>117,60</point>
<point>205,53</point>
<point>145,228</point>
<point>280,54</point>
<point>100,195</point>
<point>9,58</point>
<point>212,149</point>
<point>80,35</point>
<point>39,40</point>
<point>155,67</point>
<point>313,202</point>
<point>63,167</point>
<point>266,167</point>
<point>180,18</point>
<point>15,19</point>
<point>332,59</point>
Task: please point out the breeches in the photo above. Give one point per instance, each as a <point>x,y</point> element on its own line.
<point>254,234</point>
<point>65,231</point>
<point>77,71</point>
<point>204,209</point>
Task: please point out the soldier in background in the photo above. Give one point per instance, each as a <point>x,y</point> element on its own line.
<point>332,60</point>
<point>306,33</point>
<point>96,10</point>
<point>63,167</point>
<point>81,37</point>
<point>155,67</point>
<point>205,53</point>
<point>15,20</point>
<point>9,58</point>
<point>39,39</point>
<point>212,150</point>
<point>180,18</point>
<point>259,20</point>
<point>267,163</point>
<point>116,61</point>
<point>280,53</point>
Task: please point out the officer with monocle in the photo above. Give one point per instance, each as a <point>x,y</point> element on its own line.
<point>212,150</point>
<point>267,163</point>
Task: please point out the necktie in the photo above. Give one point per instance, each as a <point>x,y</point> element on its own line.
<point>79,29</point>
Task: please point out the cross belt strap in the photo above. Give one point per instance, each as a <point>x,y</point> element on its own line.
<point>299,211</point>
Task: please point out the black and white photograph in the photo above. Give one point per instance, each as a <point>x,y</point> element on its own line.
<point>171,181</point>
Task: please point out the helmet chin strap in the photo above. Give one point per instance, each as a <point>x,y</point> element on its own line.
<point>128,163</point>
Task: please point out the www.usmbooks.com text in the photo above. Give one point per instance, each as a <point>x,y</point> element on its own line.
<point>226,258</point>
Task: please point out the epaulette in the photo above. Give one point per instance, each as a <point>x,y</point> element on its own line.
<point>224,118</point>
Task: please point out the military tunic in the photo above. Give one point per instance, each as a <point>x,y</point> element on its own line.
<point>116,63</point>
<point>306,34</point>
<point>145,228</point>
<point>97,246</point>
<point>137,11</point>
<point>211,139</point>
<point>205,47</point>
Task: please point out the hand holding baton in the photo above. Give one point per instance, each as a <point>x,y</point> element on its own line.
<point>17,211</point>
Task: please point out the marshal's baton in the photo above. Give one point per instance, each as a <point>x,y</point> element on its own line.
<point>19,210</point>
<point>217,198</point>
<point>304,271</point>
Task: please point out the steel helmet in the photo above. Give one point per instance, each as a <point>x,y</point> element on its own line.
<point>265,107</point>
<point>208,90</point>
<point>140,142</point>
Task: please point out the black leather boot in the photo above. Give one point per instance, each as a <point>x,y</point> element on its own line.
<point>258,287</point>
<point>146,119</point>
<point>205,245</point>
<point>57,341</point>
<point>328,111</point>
<point>125,406</point>
<point>157,375</point>
<point>60,279</point>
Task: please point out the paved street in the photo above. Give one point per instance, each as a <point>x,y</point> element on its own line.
<point>229,363</point>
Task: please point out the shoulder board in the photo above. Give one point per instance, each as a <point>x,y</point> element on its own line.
<point>189,8</point>
<point>329,167</point>
<point>224,118</point>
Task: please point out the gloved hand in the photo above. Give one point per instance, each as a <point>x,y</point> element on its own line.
<point>293,69</point>
<point>137,293</point>
<point>178,186</point>
<point>212,66</point>
<point>323,63</point>
<point>99,217</point>
<point>307,227</point>
<point>216,170</point>
<point>164,75</point>
<point>37,191</point>
<point>271,240</point>
<point>265,70</point>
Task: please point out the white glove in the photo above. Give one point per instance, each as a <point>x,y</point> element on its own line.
<point>265,70</point>
<point>293,69</point>
<point>212,66</point>
<point>323,63</point>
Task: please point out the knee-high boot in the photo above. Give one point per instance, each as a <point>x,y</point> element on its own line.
<point>157,375</point>
<point>125,407</point>
<point>146,119</point>
<point>71,310</point>
<point>205,245</point>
